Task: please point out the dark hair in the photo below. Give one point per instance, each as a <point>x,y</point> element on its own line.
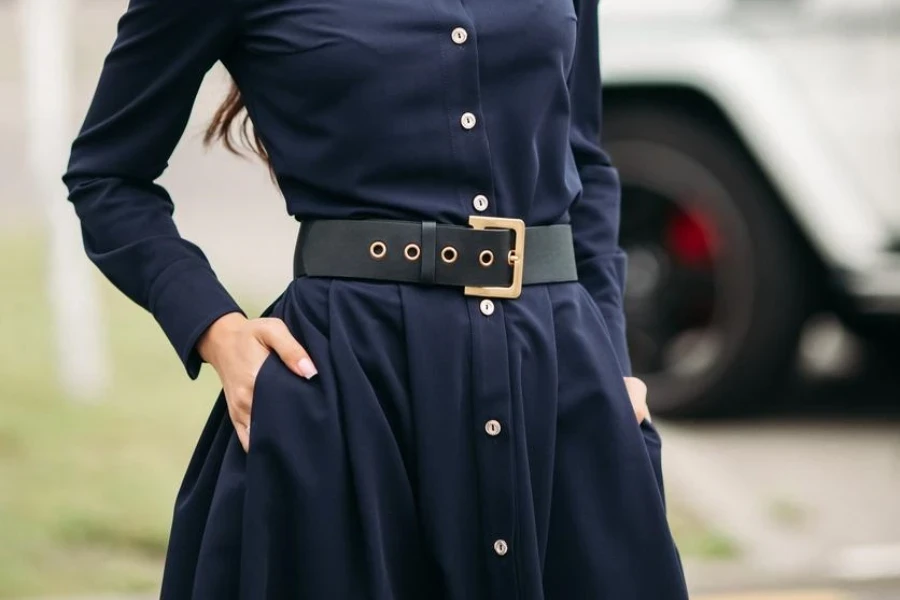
<point>221,127</point>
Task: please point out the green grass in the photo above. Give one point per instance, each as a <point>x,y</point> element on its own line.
<point>788,514</point>
<point>695,538</point>
<point>86,489</point>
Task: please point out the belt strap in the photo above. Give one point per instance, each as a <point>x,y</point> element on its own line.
<point>431,253</point>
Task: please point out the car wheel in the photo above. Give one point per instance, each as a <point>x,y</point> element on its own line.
<point>716,294</point>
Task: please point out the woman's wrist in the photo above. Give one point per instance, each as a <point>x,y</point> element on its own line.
<point>212,340</point>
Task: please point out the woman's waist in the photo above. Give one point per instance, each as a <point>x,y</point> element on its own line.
<point>488,257</point>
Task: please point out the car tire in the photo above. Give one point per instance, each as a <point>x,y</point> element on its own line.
<point>760,277</point>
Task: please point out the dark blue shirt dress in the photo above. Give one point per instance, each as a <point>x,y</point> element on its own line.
<point>451,448</point>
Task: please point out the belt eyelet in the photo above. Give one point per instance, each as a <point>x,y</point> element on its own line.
<point>412,252</point>
<point>486,258</point>
<point>378,250</point>
<point>449,254</point>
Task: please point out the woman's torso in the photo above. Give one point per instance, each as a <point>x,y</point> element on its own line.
<point>360,105</point>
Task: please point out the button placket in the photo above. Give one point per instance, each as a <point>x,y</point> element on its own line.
<point>463,92</point>
<point>495,456</point>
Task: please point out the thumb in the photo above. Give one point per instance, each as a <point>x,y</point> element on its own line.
<point>637,392</point>
<point>275,335</point>
<point>636,388</point>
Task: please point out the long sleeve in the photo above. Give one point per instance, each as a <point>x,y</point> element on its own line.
<point>138,114</point>
<point>595,214</point>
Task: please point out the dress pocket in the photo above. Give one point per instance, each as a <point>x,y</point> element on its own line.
<point>260,386</point>
<point>654,449</point>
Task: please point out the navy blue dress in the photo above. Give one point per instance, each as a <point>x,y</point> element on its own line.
<point>446,450</point>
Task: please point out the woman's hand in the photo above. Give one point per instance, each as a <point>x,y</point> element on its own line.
<point>637,391</point>
<point>236,347</point>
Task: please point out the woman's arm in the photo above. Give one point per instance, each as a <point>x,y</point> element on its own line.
<point>595,217</point>
<point>595,214</point>
<point>138,114</point>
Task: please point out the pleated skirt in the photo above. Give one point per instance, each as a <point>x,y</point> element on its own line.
<point>445,451</point>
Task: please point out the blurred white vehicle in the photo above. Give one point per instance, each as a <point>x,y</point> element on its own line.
<point>759,147</point>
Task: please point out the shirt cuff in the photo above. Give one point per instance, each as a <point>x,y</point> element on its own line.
<point>604,280</point>
<point>186,301</point>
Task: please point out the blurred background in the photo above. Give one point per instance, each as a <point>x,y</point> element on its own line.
<point>759,147</point>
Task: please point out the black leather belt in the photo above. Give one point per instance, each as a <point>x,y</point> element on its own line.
<point>491,258</point>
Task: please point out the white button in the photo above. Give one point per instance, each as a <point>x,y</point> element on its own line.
<point>492,427</point>
<point>459,35</point>
<point>487,307</point>
<point>480,202</point>
<point>467,120</point>
<point>501,547</point>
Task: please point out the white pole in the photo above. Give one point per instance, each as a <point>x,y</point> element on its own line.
<point>81,360</point>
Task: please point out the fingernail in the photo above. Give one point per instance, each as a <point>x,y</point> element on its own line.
<point>307,368</point>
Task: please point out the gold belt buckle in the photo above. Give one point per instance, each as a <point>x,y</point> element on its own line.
<point>516,257</point>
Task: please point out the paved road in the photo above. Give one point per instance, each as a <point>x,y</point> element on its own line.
<point>810,491</point>
<point>881,592</point>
